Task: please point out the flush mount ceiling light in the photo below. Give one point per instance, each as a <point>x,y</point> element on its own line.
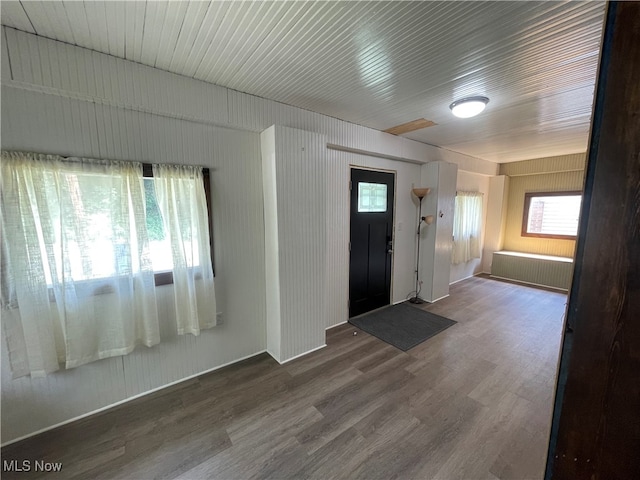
<point>468,107</point>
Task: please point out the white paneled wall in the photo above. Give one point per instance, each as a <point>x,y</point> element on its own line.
<point>496,219</point>
<point>86,74</point>
<point>404,238</point>
<point>294,178</point>
<point>61,99</point>
<point>47,123</point>
<point>436,239</point>
<point>272,254</point>
<point>62,69</point>
<point>447,174</point>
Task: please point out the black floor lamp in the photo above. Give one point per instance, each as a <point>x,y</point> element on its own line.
<point>420,193</point>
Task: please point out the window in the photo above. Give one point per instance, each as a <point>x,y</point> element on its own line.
<point>159,244</point>
<point>102,249</point>
<point>372,197</point>
<point>551,214</point>
<point>467,227</point>
<point>84,244</point>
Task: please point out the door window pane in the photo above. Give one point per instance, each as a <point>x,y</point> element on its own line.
<point>372,197</point>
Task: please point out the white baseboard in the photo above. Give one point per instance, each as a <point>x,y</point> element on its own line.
<point>336,325</point>
<point>128,399</point>
<point>274,356</point>
<point>437,299</point>
<point>461,279</point>
<point>299,355</point>
<point>467,278</point>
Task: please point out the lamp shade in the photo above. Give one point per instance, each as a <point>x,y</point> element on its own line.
<point>421,192</point>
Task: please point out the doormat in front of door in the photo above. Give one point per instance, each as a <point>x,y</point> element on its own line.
<point>402,325</point>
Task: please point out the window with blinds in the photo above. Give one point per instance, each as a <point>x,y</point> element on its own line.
<point>551,214</point>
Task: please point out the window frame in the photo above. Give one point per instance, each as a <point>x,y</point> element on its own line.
<point>385,197</point>
<point>166,278</point>
<point>525,213</point>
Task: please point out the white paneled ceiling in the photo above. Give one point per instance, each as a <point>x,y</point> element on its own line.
<point>378,64</point>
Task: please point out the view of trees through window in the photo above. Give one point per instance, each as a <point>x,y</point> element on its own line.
<point>158,242</point>
<point>96,230</point>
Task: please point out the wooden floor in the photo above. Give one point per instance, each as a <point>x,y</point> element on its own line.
<point>473,402</point>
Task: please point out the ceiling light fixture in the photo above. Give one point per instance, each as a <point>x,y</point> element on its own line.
<point>468,107</point>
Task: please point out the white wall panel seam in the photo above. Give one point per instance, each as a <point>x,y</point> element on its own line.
<point>6,56</point>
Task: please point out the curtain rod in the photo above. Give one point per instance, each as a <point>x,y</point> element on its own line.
<point>462,192</point>
<point>78,159</point>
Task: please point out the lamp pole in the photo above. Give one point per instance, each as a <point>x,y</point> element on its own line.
<point>416,299</point>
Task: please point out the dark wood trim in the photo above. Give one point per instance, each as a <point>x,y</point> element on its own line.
<point>147,170</point>
<point>595,432</point>
<point>550,237</point>
<point>563,193</point>
<point>207,193</point>
<point>164,278</point>
<point>525,213</point>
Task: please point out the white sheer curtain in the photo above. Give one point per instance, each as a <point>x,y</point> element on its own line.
<point>183,205</point>
<point>467,227</point>
<point>78,284</point>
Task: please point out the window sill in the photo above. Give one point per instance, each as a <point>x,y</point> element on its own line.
<point>104,286</point>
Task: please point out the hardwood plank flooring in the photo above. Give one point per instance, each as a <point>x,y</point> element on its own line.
<point>473,402</point>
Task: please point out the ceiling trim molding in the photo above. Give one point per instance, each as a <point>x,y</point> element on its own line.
<point>369,153</point>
